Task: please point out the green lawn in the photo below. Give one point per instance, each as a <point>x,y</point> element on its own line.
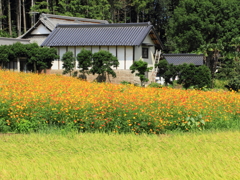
<point>208,155</point>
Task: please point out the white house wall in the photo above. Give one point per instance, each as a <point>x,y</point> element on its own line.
<point>121,57</point>
<point>129,56</point>
<point>62,50</point>
<point>151,50</point>
<point>95,49</point>
<point>124,54</point>
<point>138,53</point>
<point>41,29</point>
<point>105,48</point>
<point>113,50</point>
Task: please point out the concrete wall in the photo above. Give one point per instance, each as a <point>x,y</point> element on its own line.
<point>122,75</point>
<point>123,53</point>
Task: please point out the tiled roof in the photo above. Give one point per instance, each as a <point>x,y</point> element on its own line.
<point>122,34</point>
<point>50,21</point>
<point>178,59</point>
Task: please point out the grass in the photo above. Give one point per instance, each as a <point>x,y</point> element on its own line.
<point>208,155</point>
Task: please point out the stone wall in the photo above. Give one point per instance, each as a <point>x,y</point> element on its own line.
<point>122,75</point>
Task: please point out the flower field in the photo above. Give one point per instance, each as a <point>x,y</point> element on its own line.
<point>29,102</point>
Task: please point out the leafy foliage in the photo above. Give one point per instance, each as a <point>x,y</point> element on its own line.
<point>103,62</point>
<point>190,75</point>
<point>4,57</point>
<point>68,62</point>
<point>168,71</point>
<point>197,23</point>
<point>38,58</point>
<point>141,67</point>
<point>84,59</point>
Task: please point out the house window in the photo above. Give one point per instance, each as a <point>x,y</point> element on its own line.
<point>145,53</point>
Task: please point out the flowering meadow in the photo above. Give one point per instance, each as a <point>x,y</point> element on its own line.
<point>30,102</point>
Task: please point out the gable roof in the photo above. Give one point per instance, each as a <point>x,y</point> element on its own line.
<point>177,59</point>
<point>50,21</point>
<point>119,34</point>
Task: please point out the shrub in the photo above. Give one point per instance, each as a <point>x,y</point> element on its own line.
<point>125,82</point>
<point>141,67</point>
<point>103,62</point>
<point>234,84</point>
<point>155,85</point>
<point>84,60</point>
<point>68,62</point>
<point>192,76</point>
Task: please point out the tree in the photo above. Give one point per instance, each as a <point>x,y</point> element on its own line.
<point>141,67</point>
<point>68,62</point>
<point>84,59</point>
<point>1,15</point>
<point>103,62</point>
<point>4,58</point>
<point>196,23</point>
<point>40,58</point>
<point>167,71</point>
<point>211,57</point>
<point>190,75</point>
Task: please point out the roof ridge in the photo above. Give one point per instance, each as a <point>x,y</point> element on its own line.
<point>73,18</point>
<point>105,25</point>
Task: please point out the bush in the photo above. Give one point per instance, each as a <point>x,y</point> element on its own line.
<point>192,76</point>
<point>68,62</point>
<point>155,85</point>
<point>234,84</point>
<point>141,67</point>
<point>125,82</point>
<point>103,64</point>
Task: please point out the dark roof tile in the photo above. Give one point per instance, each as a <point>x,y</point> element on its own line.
<point>177,59</point>
<point>122,34</point>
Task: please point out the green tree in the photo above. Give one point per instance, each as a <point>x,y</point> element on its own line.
<point>103,62</point>
<point>4,57</point>
<point>141,67</point>
<point>190,75</point>
<point>84,59</point>
<point>46,57</point>
<point>68,62</point>
<point>196,23</point>
<point>167,71</point>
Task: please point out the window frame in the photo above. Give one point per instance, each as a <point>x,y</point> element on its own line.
<point>145,52</point>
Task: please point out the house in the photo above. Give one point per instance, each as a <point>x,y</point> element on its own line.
<point>177,59</point>
<point>47,22</point>
<point>20,63</point>
<point>127,41</point>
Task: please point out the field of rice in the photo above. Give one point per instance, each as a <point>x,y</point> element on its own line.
<point>179,156</point>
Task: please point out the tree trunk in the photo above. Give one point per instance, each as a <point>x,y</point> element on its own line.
<point>47,4</point>
<point>1,15</point>
<point>32,15</point>
<point>24,16</point>
<point>19,14</point>
<point>34,67</point>
<point>9,18</point>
